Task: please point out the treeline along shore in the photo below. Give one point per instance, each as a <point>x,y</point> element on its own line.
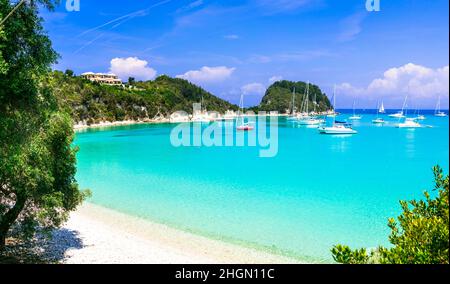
<point>92,103</point>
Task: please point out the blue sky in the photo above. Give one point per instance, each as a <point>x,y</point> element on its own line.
<point>241,46</point>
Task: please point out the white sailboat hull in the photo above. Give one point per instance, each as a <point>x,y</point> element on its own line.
<point>337,130</point>
<point>409,124</point>
<point>397,115</point>
<point>309,121</point>
<point>378,121</point>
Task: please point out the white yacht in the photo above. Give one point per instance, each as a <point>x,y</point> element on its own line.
<point>201,115</point>
<point>381,109</point>
<point>293,115</point>
<point>354,116</point>
<point>337,128</point>
<point>241,124</point>
<point>409,123</point>
<point>400,114</point>
<point>379,120</point>
<point>230,115</point>
<point>438,111</point>
<point>421,117</point>
<point>306,118</point>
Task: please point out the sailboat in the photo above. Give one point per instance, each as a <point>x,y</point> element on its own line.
<point>337,127</point>
<point>420,116</point>
<point>293,115</point>
<point>307,119</point>
<point>438,111</point>
<point>202,115</point>
<point>400,114</point>
<point>378,120</point>
<point>409,123</point>
<point>242,125</point>
<point>354,116</point>
<point>381,109</point>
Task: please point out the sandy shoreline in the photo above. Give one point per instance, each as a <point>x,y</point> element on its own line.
<point>107,236</point>
<point>79,126</point>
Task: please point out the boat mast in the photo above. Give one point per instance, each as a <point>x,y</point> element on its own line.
<point>307,100</point>
<point>302,107</point>
<point>438,106</point>
<point>381,108</point>
<point>293,102</point>
<point>315,102</point>
<point>334,104</point>
<point>378,109</point>
<point>241,108</point>
<point>202,110</point>
<point>404,104</point>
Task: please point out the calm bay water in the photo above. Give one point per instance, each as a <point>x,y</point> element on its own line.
<point>318,191</point>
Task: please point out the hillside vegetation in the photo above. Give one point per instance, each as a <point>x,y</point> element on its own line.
<point>278,97</point>
<point>92,102</point>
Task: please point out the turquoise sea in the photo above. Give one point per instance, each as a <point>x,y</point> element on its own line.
<point>318,191</point>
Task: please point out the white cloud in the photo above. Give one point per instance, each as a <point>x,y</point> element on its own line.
<point>351,27</point>
<point>208,74</point>
<point>253,88</point>
<point>419,82</point>
<point>132,67</point>
<point>259,59</point>
<point>190,6</point>
<point>276,6</point>
<point>195,4</point>
<point>231,37</point>
<point>275,79</point>
<point>298,56</point>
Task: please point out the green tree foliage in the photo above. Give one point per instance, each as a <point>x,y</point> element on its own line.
<point>69,73</point>
<point>92,102</point>
<point>37,163</point>
<point>420,235</point>
<point>278,97</point>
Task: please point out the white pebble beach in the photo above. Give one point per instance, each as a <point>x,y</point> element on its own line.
<point>110,237</point>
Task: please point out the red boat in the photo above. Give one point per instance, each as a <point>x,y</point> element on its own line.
<point>245,127</point>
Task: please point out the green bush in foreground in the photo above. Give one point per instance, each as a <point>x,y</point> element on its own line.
<point>37,162</point>
<point>419,236</point>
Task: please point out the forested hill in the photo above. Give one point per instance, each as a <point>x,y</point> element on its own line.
<point>92,102</point>
<point>278,97</point>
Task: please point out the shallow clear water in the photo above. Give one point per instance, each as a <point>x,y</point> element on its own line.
<point>318,191</point>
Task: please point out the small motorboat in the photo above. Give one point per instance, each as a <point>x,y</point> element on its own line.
<point>337,129</point>
<point>310,121</point>
<point>421,117</point>
<point>245,127</point>
<point>378,121</point>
